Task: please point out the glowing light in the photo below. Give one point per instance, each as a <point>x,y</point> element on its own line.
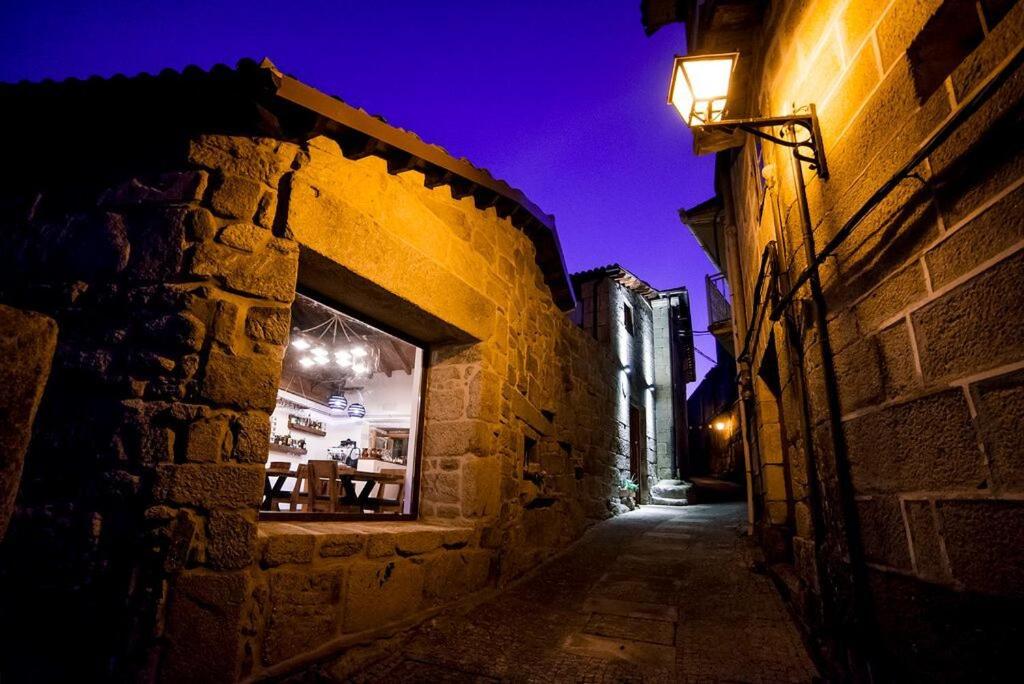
<point>300,344</point>
<point>306,362</point>
<point>359,367</point>
<point>320,352</point>
<point>358,352</point>
<point>700,87</point>
<point>720,425</point>
<point>343,358</point>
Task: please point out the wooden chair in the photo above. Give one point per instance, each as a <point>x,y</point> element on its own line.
<point>392,505</point>
<point>301,482</point>
<point>275,489</point>
<point>322,486</point>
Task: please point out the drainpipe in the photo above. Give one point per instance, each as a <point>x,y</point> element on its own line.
<point>844,490</point>
<point>739,331</point>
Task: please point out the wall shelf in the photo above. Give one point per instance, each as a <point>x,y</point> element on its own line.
<point>282,449</point>
<point>306,428</point>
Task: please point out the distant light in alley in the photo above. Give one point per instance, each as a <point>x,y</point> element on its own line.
<point>720,425</point>
<point>699,89</point>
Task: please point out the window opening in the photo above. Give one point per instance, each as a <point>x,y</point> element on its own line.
<point>344,433</point>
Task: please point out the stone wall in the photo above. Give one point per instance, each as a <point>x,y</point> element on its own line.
<point>136,541</point>
<point>925,324</point>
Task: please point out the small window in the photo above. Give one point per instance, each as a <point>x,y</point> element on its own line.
<point>344,434</point>
<point>627,318</point>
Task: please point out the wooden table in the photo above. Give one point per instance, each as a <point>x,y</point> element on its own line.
<point>347,476</point>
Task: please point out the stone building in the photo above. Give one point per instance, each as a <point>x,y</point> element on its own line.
<point>650,333</point>
<point>217,247</point>
<point>880,334</point>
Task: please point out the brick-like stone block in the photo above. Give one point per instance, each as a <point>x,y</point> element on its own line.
<point>208,439</point>
<point>204,627</point>
<point>927,443</point>
<point>230,540</point>
<point>173,187</point>
<point>883,534</point>
<point>1000,405</point>
<point>245,382</point>
<point>985,236</point>
<point>251,441</point>
<point>929,559</point>
<point>27,343</point>
<point>268,324</point>
<point>261,159</point>
<point>280,549</point>
<point>380,592</point>
<point>900,25</point>
<point>417,541</point>
<point>457,438</point>
<point>976,326</point>
<point>304,611</point>
<point>243,236</point>
<point>341,544</point>
<point>236,197</point>
<point>270,272</point>
<point>983,541</point>
<point>453,574</point>
<point>481,484</point>
<point>210,485</point>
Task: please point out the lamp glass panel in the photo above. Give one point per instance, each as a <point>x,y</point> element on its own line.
<point>681,97</point>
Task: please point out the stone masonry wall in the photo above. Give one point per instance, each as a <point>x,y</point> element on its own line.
<point>925,318</point>
<point>136,529</point>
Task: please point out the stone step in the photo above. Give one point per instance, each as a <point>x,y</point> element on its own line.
<point>670,493</point>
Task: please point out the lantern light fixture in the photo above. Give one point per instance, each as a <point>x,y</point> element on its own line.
<point>700,90</point>
<point>301,343</point>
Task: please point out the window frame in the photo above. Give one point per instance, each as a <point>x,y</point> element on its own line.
<point>320,516</point>
<point>628,319</point>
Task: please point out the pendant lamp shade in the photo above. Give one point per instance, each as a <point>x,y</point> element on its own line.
<point>356,410</point>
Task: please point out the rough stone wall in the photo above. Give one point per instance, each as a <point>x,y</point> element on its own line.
<point>137,528</point>
<point>636,353</point>
<point>664,429</point>
<point>925,320</point>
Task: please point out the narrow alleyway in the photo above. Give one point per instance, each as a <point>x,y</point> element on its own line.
<point>658,595</point>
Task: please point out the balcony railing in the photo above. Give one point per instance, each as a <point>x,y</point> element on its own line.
<point>719,301</point>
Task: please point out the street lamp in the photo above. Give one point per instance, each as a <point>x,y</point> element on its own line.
<point>699,90</point>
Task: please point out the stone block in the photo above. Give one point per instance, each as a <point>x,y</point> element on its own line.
<point>230,540</point>
<point>985,236</point>
<point>270,272</point>
<point>27,343</point>
<point>446,405</point>
<point>929,559</point>
<point>455,574</point>
<point>210,485</point>
<point>236,197</point>
<point>341,544</point>
<point>891,296</point>
<point>380,592</point>
<point>207,439</point>
<point>924,444</point>
<point>244,382</point>
<point>381,545</point>
<point>976,326</point>
<point>158,241</point>
<point>280,549</point>
<point>166,188</point>
<point>251,441</point>
<point>261,159</point>
<point>983,542</point>
<point>304,612</point>
<point>900,25</point>
<point>1000,405</point>
<point>204,628</point>
<point>243,236</point>
<point>481,486</point>
<point>457,438</point>
<point>268,324</point>
<point>417,541</point>
<point>440,487</point>
<point>883,534</point>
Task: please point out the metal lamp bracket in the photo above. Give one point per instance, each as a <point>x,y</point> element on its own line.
<point>808,149</point>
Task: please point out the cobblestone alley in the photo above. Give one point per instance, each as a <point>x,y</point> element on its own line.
<point>661,594</point>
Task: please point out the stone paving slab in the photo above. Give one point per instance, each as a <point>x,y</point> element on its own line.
<point>605,611</point>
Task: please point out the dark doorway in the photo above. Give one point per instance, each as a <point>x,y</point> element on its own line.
<point>637,445</point>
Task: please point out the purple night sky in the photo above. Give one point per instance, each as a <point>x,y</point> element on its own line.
<point>564,99</point>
